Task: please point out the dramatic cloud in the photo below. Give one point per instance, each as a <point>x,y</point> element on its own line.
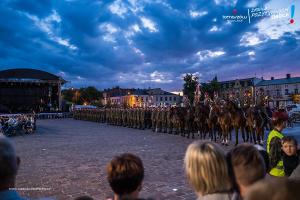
<point>148,43</point>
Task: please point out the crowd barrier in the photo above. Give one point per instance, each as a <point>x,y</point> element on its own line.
<point>42,115</point>
<point>54,115</point>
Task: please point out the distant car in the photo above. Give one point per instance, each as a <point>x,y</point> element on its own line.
<point>291,106</point>
<point>79,107</point>
<point>295,108</point>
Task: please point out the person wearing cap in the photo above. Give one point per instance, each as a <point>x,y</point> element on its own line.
<point>279,120</point>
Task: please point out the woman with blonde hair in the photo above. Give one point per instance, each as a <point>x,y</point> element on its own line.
<point>207,171</point>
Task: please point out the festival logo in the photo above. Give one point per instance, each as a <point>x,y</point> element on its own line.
<point>252,14</point>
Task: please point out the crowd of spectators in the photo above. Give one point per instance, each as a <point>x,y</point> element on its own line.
<point>245,172</point>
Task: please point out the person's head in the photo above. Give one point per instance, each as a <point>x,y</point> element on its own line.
<point>264,155</point>
<point>275,189</point>
<point>279,119</point>
<point>84,198</point>
<point>9,164</point>
<point>206,168</point>
<point>248,166</point>
<point>125,174</point>
<point>289,145</point>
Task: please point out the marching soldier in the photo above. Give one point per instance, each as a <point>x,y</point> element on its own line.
<point>164,120</point>
<point>142,118</point>
<point>153,117</point>
<point>158,120</point>
<point>169,120</point>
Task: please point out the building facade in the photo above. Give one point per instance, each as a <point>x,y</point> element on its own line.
<point>282,91</point>
<point>141,98</point>
<point>238,87</point>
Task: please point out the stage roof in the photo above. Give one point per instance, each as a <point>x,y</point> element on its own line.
<point>25,73</point>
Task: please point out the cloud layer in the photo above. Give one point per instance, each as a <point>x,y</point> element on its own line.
<point>146,43</point>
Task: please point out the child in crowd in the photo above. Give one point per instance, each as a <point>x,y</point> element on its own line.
<point>125,174</point>
<point>291,156</point>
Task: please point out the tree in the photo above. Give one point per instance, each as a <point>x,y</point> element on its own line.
<point>88,95</point>
<point>215,85</point>
<point>67,94</point>
<point>189,86</point>
<point>211,87</point>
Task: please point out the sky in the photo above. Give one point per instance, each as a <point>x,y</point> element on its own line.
<point>150,43</point>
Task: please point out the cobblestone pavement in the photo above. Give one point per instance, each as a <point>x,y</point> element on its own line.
<point>67,158</point>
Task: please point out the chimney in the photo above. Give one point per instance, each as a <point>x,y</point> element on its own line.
<point>272,78</point>
<point>288,76</point>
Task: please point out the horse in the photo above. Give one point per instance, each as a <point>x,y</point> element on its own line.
<point>212,121</point>
<point>224,119</point>
<point>188,122</point>
<point>238,121</point>
<point>255,124</point>
<point>200,116</point>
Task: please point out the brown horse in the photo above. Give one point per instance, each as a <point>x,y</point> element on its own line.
<point>238,121</point>
<point>188,122</point>
<point>212,121</point>
<point>200,116</point>
<point>255,124</point>
<point>224,120</point>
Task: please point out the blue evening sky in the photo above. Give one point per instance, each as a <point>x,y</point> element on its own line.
<point>149,43</point>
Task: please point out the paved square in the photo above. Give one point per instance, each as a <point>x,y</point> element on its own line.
<point>70,157</point>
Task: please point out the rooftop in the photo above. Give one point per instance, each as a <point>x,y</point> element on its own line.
<point>279,81</point>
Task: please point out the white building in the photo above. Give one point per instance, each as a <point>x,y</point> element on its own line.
<point>281,91</point>
<point>143,98</point>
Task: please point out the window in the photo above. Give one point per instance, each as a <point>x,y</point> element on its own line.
<point>142,98</point>
<point>166,98</point>
<point>268,92</point>
<point>161,98</point>
<point>174,98</point>
<point>296,91</point>
<point>278,92</point>
<point>170,98</point>
<point>286,91</point>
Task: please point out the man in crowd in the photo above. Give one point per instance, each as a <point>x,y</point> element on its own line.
<point>248,166</point>
<point>9,164</point>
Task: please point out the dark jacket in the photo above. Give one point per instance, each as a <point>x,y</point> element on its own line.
<point>290,163</point>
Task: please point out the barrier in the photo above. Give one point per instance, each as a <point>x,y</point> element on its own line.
<point>54,115</point>
<point>41,115</point>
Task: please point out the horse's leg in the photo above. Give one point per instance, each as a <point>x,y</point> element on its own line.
<point>229,131</point>
<point>223,135</point>
<point>243,133</point>
<point>253,135</point>
<point>258,135</point>
<point>248,134</point>
<point>214,134</point>
<point>193,132</point>
<point>236,135</point>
